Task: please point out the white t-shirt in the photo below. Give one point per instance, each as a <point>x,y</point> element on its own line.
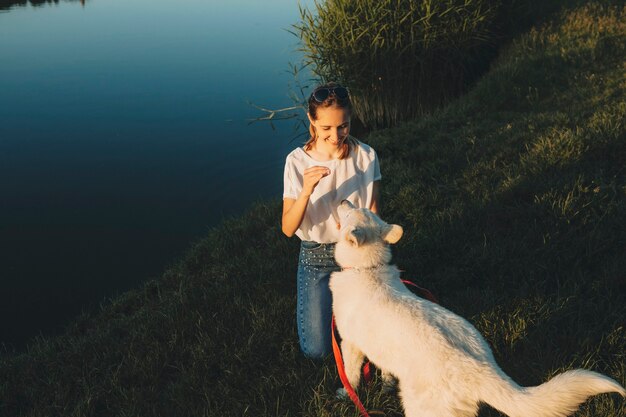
<point>349,179</point>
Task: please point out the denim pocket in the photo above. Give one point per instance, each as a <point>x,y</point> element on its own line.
<point>310,245</point>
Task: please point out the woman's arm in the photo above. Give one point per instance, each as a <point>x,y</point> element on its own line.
<point>375,206</point>
<point>293,213</point>
<point>293,210</point>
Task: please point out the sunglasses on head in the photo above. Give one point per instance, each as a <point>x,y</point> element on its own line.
<point>322,93</point>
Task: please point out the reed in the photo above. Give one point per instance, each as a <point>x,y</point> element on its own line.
<point>400,58</point>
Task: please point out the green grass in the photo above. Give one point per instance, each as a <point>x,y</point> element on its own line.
<point>400,58</point>
<point>513,201</point>
<point>405,58</point>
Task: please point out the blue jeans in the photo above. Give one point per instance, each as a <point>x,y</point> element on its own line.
<point>315,264</point>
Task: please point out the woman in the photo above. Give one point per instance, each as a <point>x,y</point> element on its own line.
<point>332,166</point>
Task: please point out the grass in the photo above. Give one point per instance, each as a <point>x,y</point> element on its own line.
<point>400,58</point>
<point>403,59</point>
<point>513,201</point>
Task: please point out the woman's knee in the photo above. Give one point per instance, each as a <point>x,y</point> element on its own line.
<point>315,349</point>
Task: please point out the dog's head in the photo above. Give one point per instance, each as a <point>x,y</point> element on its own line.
<point>364,237</point>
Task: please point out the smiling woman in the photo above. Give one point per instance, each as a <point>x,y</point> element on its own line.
<point>115,150</point>
<point>332,166</point>
<point>330,123</point>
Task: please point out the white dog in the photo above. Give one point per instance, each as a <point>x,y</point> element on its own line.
<point>443,365</point>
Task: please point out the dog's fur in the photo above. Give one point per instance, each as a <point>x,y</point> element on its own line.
<point>443,365</point>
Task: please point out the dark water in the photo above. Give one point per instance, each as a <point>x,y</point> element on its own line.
<point>116,152</point>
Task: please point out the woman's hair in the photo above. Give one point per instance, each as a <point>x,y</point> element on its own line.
<point>331,100</point>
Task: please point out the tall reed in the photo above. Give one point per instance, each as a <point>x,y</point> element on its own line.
<point>400,58</point>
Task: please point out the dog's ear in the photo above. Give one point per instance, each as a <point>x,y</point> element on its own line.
<point>356,237</point>
<point>392,233</point>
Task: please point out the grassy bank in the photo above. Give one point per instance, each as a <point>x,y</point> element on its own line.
<point>513,201</point>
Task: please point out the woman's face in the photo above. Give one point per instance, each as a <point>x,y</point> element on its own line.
<point>332,125</point>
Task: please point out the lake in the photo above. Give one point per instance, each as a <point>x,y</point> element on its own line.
<point>124,138</point>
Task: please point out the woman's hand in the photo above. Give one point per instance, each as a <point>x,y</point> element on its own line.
<point>312,177</point>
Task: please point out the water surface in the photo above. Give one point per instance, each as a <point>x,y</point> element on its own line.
<point>115,147</point>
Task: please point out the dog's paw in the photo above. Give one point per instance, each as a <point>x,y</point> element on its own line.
<point>341,394</point>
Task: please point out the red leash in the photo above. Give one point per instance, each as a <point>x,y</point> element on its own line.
<point>366,368</point>
<point>342,372</point>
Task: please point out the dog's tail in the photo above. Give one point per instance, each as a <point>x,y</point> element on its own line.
<point>559,397</point>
